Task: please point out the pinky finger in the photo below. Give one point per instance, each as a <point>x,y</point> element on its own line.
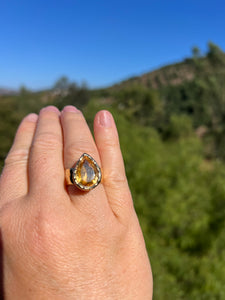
<point>114,177</point>
<point>13,183</point>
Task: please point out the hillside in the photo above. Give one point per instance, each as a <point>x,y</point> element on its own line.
<point>176,74</point>
<point>5,91</point>
<point>171,124</point>
<point>173,74</point>
<point>190,93</point>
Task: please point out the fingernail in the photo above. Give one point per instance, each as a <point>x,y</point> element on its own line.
<point>70,108</point>
<point>32,117</point>
<point>105,119</point>
<point>50,108</point>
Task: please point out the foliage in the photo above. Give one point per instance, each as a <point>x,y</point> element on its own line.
<point>69,93</point>
<point>173,139</point>
<point>196,52</point>
<point>181,206</point>
<point>215,54</point>
<point>141,104</point>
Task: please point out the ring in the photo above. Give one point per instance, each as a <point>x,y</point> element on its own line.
<point>86,173</point>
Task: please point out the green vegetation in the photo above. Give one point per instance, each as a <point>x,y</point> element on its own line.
<point>171,124</point>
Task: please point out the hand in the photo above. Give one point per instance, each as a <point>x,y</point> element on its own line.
<point>59,242</point>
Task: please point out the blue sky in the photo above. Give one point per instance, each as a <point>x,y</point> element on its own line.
<point>100,42</point>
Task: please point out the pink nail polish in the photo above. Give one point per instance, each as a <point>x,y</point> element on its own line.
<point>70,108</point>
<point>105,119</point>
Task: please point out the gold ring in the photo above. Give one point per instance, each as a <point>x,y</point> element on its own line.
<point>86,173</point>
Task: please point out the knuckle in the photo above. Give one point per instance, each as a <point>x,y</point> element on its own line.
<point>42,228</point>
<point>114,178</point>
<point>36,233</point>
<point>18,156</point>
<point>109,144</point>
<point>43,236</point>
<point>76,149</point>
<point>47,140</point>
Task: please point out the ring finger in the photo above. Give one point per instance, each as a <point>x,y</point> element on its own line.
<point>77,140</point>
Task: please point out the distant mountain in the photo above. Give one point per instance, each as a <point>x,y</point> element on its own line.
<point>175,74</point>
<point>5,91</point>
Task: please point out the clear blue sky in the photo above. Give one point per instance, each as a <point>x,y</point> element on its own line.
<point>100,42</point>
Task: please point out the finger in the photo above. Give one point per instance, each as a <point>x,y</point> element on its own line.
<point>115,181</point>
<point>46,172</point>
<point>14,181</point>
<point>78,140</point>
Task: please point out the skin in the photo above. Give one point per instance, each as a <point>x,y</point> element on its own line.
<point>57,241</point>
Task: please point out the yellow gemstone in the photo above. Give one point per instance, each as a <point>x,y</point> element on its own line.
<point>87,173</point>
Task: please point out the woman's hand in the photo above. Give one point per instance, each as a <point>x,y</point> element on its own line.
<point>59,242</point>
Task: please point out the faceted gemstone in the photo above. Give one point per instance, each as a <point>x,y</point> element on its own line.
<point>87,173</point>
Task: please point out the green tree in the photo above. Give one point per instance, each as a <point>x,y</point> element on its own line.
<point>62,84</point>
<point>196,53</point>
<point>215,54</point>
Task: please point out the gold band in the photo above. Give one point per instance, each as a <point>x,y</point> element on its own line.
<point>68,177</point>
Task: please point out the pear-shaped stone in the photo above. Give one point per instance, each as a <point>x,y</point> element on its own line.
<point>87,173</point>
